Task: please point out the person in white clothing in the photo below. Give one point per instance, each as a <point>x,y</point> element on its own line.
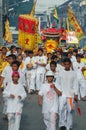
<point>41,62</point>
<point>73,58</point>
<point>69,84</point>
<point>5,79</point>
<point>78,67</point>
<point>59,66</point>
<point>31,72</point>
<point>22,66</point>
<point>48,98</point>
<point>54,69</point>
<point>15,94</point>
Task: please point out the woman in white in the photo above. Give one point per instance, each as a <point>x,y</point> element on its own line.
<point>15,94</point>
<point>49,92</point>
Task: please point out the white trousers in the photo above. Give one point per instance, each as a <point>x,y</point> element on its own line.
<point>39,79</point>
<point>81,88</point>
<point>31,79</point>
<point>14,121</point>
<point>4,105</point>
<point>65,113</point>
<point>50,120</point>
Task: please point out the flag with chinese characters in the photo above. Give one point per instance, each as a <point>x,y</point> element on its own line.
<point>55,15</point>
<point>8,35</point>
<point>27,26</point>
<point>75,24</point>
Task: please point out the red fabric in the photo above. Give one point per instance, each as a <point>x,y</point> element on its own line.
<point>51,30</point>
<point>15,73</point>
<point>79,111</point>
<point>27,25</point>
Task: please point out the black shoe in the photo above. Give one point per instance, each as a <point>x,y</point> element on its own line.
<point>31,91</point>
<point>5,117</point>
<point>63,128</point>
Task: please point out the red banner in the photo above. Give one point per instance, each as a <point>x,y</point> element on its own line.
<point>27,25</point>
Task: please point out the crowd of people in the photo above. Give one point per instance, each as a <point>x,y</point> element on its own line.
<point>58,78</point>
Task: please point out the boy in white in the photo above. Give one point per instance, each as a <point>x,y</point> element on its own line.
<point>15,94</point>
<point>31,72</point>
<point>49,92</point>
<point>59,66</point>
<point>41,62</point>
<point>69,85</point>
<point>6,78</point>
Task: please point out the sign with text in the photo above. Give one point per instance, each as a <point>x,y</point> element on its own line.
<point>71,38</point>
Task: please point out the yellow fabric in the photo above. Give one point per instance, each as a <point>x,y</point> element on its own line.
<point>22,66</point>
<point>4,65</point>
<point>74,23</point>
<point>33,8</point>
<point>8,34</point>
<point>51,45</point>
<point>83,60</point>
<point>26,41</point>
<point>55,13</point>
<point>2,60</point>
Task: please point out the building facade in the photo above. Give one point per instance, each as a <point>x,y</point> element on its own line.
<point>79,11</point>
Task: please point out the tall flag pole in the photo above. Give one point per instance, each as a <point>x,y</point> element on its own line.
<point>67,25</point>
<point>33,8</point>
<point>75,24</point>
<point>55,15</point>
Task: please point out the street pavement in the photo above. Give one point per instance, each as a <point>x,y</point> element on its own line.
<point>32,118</point>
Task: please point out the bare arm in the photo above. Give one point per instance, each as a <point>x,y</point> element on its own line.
<point>1,80</point>
<point>40,100</point>
<point>41,64</point>
<point>58,92</point>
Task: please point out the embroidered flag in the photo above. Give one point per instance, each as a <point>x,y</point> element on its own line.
<point>55,15</point>
<point>73,22</point>
<point>8,34</point>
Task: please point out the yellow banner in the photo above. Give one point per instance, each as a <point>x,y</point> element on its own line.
<point>75,24</point>
<point>55,15</point>
<point>8,34</point>
<point>26,41</point>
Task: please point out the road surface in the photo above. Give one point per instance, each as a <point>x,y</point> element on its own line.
<point>32,118</point>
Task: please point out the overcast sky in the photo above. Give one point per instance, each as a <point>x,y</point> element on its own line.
<point>43,5</point>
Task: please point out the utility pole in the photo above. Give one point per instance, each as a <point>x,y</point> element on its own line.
<point>6,7</point>
<point>1,26</point>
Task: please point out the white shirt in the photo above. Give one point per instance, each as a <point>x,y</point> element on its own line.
<point>14,105</point>
<point>73,59</point>
<point>58,68</point>
<point>41,60</point>
<point>22,78</point>
<point>7,75</point>
<point>69,83</point>
<point>50,98</point>
<point>78,66</point>
<point>32,61</point>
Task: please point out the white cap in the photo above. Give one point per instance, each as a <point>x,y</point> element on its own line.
<point>49,73</point>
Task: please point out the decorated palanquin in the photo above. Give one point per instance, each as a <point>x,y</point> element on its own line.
<point>52,36</point>
<point>27,26</point>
